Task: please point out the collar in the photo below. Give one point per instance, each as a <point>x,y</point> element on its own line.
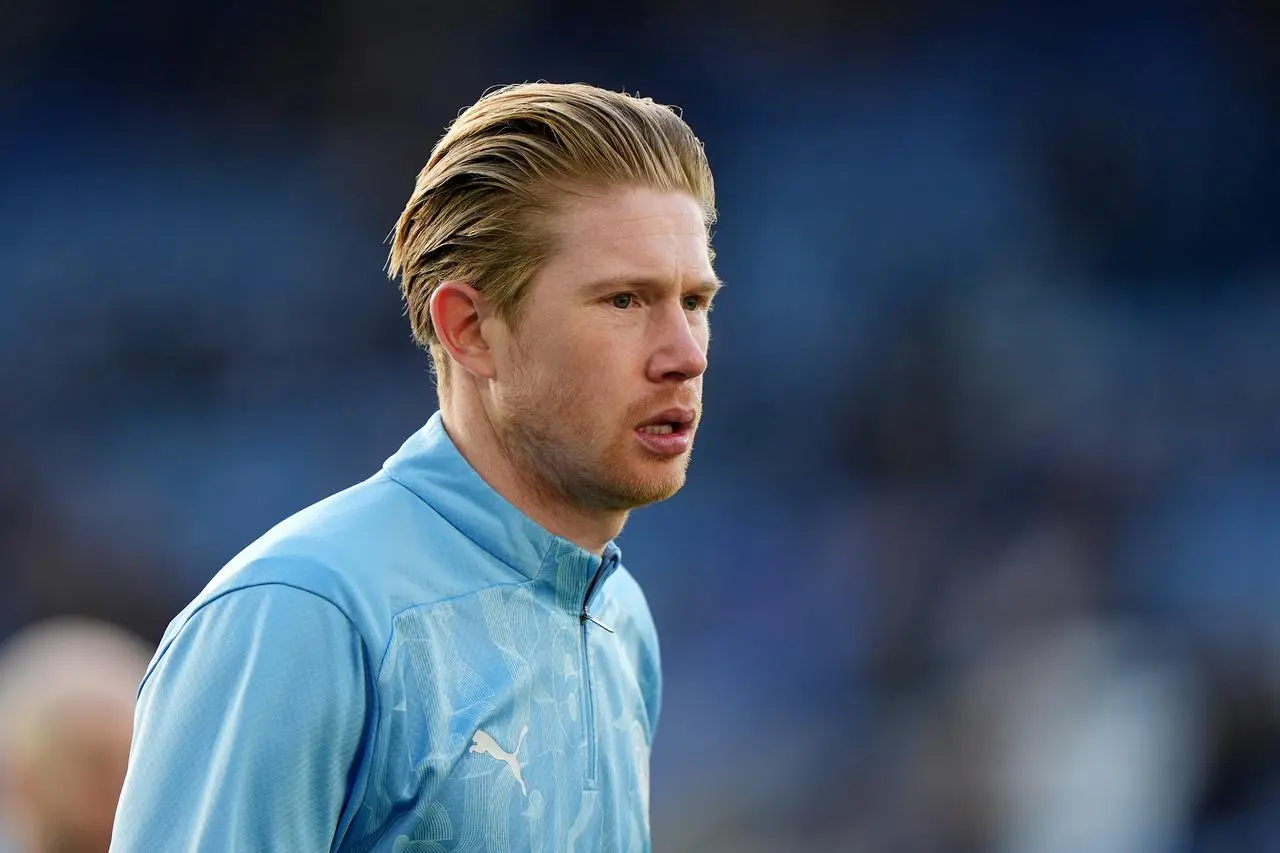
<point>430,465</point>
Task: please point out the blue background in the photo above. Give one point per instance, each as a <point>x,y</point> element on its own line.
<point>981,544</point>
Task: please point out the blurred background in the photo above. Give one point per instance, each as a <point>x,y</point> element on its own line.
<point>981,545</point>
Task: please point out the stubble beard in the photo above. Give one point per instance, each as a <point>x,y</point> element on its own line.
<point>552,444</point>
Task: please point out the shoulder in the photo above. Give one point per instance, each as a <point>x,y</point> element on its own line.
<point>325,550</point>
<point>628,607</point>
<point>626,591</point>
<point>369,551</point>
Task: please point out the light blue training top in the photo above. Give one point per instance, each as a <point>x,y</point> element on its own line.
<point>409,665</point>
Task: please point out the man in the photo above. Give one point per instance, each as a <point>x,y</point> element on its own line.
<point>67,691</point>
<point>449,655</point>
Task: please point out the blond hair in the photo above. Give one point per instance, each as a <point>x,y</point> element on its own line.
<point>479,204</point>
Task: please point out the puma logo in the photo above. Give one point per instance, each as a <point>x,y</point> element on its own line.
<point>484,744</point>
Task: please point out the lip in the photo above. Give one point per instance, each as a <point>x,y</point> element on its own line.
<point>677,415</point>
<point>674,443</point>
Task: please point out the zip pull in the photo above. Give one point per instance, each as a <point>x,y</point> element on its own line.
<point>587,617</point>
<point>606,565</point>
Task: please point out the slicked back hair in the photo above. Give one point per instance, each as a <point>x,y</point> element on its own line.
<point>479,206</point>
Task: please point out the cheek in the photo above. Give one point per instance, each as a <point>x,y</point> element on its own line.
<point>587,369</point>
<point>586,394</point>
<point>579,375</point>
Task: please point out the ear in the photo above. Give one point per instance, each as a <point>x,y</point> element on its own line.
<point>457,314</point>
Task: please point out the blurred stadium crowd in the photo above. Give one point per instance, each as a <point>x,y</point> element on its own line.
<point>981,545</point>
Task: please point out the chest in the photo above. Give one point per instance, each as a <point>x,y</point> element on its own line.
<point>506,723</point>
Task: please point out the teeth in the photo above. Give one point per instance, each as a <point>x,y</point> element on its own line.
<point>658,429</point>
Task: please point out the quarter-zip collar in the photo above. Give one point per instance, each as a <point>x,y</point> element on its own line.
<point>430,465</point>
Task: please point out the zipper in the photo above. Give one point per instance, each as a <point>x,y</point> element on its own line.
<point>588,691</point>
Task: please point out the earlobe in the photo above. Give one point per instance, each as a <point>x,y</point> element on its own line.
<point>458,311</point>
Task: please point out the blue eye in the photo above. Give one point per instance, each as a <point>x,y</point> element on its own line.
<point>622,300</point>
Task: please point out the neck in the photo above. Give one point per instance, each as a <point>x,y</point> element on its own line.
<point>472,432</point>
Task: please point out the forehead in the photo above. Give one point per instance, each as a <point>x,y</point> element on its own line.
<point>630,232</point>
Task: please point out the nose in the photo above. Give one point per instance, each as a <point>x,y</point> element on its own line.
<point>681,351</point>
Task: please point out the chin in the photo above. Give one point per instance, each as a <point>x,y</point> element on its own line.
<point>627,482</point>
<point>642,491</point>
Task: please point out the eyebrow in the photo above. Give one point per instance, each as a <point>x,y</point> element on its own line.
<point>707,286</point>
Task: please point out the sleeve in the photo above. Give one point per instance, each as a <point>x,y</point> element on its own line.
<point>248,728</point>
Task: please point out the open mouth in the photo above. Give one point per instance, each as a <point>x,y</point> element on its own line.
<point>669,433</point>
<point>665,428</point>
<point>675,420</point>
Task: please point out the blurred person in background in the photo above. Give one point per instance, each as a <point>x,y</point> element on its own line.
<point>450,655</point>
<point>1035,257</point>
<point>67,692</point>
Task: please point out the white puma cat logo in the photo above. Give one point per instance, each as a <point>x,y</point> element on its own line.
<point>484,744</point>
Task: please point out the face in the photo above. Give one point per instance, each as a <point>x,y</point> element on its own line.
<point>599,386</point>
